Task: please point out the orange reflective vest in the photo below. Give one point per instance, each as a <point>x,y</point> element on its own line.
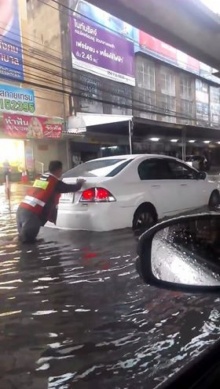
<point>43,193</point>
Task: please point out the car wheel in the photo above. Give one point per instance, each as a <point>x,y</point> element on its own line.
<point>144,218</point>
<point>214,199</point>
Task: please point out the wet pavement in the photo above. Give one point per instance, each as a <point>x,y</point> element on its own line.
<point>74,314</point>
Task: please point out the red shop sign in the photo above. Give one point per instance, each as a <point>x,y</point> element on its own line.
<point>23,126</point>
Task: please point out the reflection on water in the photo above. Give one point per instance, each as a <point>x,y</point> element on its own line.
<point>75,314</point>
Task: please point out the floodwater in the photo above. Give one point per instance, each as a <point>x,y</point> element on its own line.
<point>74,314</point>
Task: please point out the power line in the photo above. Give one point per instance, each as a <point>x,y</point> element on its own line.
<point>56,2</point>
<point>136,42</point>
<point>98,23</point>
<point>80,93</point>
<point>43,79</point>
<point>147,107</point>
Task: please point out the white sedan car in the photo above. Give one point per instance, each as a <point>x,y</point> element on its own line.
<point>132,191</point>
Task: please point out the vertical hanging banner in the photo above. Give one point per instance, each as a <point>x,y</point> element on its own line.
<point>11,61</point>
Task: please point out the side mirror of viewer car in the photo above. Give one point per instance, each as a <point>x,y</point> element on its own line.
<point>182,254</point>
<point>202,175</point>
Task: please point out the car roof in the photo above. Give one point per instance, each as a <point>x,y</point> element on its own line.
<point>134,156</point>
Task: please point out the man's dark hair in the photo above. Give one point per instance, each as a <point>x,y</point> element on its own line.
<point>54,166</point>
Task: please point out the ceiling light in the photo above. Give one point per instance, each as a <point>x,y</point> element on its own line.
<point>154,139</point>
<point>191,141</point>
<point>207,141</point>
<point>174,140</point>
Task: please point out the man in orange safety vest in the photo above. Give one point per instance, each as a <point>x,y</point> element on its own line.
<point>41,202</point>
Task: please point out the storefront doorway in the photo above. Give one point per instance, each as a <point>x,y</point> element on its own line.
<point>12,151</point>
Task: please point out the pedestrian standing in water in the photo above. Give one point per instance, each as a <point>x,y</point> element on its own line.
<point>6,170</point>
<point>41,201</point>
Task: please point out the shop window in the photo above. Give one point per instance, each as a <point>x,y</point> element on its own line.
<point>168,105</point>
<point>186,87</point>
<point>202,112</point>
<point>202,86</point>
<point>202,102</point>
<point>215,106</point>
<point>215,117</point>
<point>121,98</point>
<point>145,101</point>
<point>215,95</point>
<point>168,84</point>
<point>186,110</point>
<point>90,90</point>
<point>186,98</point>
<point>146,74</point>
<point>168,90</point>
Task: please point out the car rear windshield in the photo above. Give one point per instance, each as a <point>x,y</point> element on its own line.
<point>98,168</point>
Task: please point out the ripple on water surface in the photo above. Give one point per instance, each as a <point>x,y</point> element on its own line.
<point>75,314</point>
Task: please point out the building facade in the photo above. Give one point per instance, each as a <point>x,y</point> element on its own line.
<point>32,98</point>
<point>46,74</point>
<point>82,84</point>
<point>171,97</point>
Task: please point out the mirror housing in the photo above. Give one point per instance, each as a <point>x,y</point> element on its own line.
<point>202,175</point>
<point>165,261</point>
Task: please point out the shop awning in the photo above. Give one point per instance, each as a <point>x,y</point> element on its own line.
<point>118,125</point>
<point>82,121</point>
<point>148,128</point>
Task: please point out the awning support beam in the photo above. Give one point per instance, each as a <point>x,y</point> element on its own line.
<point>130,131</point>
<point>184,144</point>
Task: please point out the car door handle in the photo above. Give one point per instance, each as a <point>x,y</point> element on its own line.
<point>155,186</point>
<point>183,184</point>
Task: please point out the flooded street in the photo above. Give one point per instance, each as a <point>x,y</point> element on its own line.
<point>74,314</point>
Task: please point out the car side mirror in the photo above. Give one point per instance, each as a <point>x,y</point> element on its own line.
<point>182,254</point>
<point>202,175</point>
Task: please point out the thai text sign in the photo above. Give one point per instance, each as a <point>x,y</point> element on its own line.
<point>11,61</point>
<point>16,100</point>
<point>23,126</point>
<point>101,52</point>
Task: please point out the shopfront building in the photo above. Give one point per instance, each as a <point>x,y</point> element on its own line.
<point>27,141</point>
<point>173,99</point>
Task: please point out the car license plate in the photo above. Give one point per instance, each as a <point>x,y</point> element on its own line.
<point>67,198</point>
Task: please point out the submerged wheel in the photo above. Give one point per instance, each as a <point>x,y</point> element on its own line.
<point>144,218</point>
<point>214,200</point>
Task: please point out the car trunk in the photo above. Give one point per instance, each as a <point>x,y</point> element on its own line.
<point>91,182</point>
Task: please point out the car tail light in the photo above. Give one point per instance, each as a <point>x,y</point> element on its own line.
<point>96,195</point>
